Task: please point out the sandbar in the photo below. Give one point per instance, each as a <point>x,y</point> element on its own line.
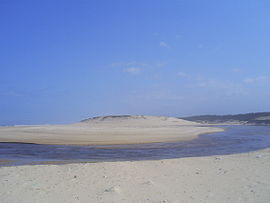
<point>108,130</point>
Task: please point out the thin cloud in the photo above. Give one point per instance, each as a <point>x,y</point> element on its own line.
<point>133,70</point>
<point>159,65</point>
<point>135,67</point>
<point>128,64</point>
<point>181,74</point>
<point>255,79</point>
<point>163,44</point>
<point>131,67</point>
<point>224,87</point>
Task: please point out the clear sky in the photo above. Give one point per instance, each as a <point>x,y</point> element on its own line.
<point>66,60</point>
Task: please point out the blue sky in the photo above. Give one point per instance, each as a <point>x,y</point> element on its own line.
<point>63,61</point>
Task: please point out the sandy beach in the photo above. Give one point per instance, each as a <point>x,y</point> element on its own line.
<point>227,178</point>
<point>230,178</point>
<point>108,130</point>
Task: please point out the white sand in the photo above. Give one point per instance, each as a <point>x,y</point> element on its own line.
<point>108,130</point>
<point>231,178</point>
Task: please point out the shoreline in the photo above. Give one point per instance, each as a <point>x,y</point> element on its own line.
<point>113,146</point>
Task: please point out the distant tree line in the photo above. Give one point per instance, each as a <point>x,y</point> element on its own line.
<point>262,118</point>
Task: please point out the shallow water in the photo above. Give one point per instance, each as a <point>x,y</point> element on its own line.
<point>236,139</point>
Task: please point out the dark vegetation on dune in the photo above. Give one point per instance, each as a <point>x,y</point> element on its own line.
<point>262,118</point>
<point>103,118</point>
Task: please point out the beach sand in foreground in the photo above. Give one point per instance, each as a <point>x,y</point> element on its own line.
<point>108,130</point>
<point>229,178</point>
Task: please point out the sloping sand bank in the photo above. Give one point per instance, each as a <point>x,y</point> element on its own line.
<point>108,130</point>
<point>232,178</point>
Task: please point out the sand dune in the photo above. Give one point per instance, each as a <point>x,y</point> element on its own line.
<point>108,130</point>
<point>137,121</point>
